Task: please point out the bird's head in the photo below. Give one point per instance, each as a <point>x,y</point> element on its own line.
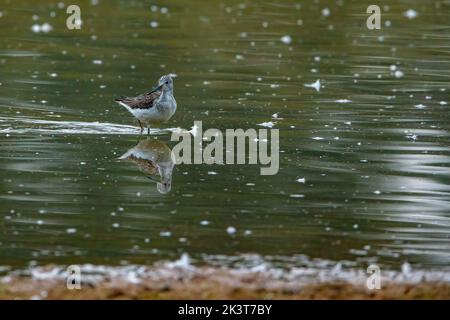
<point>166,81</point>
<point>163,185</point>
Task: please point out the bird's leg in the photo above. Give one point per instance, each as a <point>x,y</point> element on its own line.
<point>140,124</point>
<point>148,131</point>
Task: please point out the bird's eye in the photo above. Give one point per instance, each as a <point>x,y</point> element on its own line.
<point>167,82</point>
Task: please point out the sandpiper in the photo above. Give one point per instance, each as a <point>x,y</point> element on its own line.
<point>154,107</point>
<point>155,159</point>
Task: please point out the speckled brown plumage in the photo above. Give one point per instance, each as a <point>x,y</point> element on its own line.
<point>142,101</point>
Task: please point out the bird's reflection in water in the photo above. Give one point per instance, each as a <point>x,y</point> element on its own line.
<point>155,159</point>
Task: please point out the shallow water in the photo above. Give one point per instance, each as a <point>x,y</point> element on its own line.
<point>372,145</point>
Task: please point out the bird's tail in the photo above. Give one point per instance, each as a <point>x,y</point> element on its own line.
<point>121,100</point>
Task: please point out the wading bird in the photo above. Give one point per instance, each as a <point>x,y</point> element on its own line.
<point>155,159</point>
<point>154,107</point>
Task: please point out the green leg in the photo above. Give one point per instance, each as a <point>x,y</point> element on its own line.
<point>142,128</point>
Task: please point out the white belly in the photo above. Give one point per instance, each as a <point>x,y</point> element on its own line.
<point>160,113</point>
<point>150,116</point>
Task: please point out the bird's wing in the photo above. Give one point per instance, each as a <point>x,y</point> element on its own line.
<point>143,101</point>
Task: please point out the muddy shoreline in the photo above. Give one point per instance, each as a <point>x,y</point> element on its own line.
<point>206,282</point>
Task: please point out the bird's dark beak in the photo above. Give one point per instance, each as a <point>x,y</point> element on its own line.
<point>158,88</point>
<point>153,179</point>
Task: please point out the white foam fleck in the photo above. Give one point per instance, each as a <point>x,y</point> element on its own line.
<point>36,28</point>
<point>183,263</point>
<point>286,39</point>
<point>406,269</point>
<point>269,124</point>
<point>46,27</point>
<point>132,277</point>
<point>316,85</point>
<point>399,74</point>
<point>410,14</point>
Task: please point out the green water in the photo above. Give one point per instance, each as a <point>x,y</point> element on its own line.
<point>372,145</point>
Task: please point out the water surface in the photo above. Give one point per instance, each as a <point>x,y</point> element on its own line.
<point>364,162</point>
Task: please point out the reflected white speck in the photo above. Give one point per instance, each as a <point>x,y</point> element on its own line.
<point>326,12</point>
